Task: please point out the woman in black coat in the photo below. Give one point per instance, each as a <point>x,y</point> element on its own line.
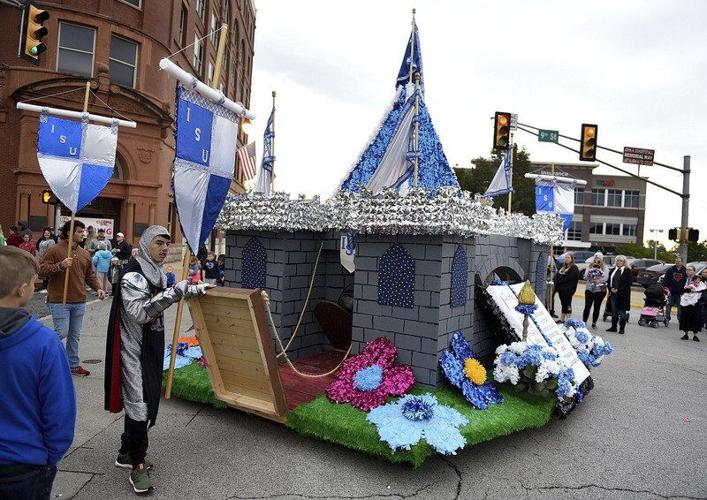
<point>619,285</point>
<point>566,284</point>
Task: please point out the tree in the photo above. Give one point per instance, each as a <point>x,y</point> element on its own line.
<point>477,179</point>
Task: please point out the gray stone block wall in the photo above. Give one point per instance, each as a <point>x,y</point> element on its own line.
<point>420,333</point>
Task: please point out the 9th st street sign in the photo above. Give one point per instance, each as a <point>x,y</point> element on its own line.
<point>638,156</point>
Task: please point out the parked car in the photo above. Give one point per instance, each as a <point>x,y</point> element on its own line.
<point>639,265</point>
<point>652,274</point>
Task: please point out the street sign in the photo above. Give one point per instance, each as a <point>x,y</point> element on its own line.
<point>548,135</point>
<point>514,121</point>
<point>638,156</point>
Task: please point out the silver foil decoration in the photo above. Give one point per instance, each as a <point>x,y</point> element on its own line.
<point>450,211</point>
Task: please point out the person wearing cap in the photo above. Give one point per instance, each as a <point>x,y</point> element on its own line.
<point>99,240</point>
<point>122,249</point>
<point>135,348</point>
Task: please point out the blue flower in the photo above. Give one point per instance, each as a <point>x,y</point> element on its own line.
<point>369,378</point>
<point>532,356</point>
<point>508,358</point>
<point>452,362</point>
<point>575,323</point>
<point>411,418</point>
<point>550,355</point>
<point>583,337</point>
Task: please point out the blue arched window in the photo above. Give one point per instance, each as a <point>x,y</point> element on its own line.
<point>254,265</point>
<point>396,278</point>
<point>460,275</point>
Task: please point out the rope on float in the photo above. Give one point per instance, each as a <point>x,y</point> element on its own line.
<point>304,309</point>
<point>284,349</point>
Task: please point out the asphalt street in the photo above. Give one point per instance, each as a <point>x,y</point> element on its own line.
<point>641,433</point>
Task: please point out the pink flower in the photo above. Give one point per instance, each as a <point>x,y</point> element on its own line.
<point>366,380</point>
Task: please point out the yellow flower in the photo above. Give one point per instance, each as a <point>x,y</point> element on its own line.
<point>474,371</point>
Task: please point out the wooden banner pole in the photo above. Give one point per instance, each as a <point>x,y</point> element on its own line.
<point>187,254</point>
<point>70,238</point>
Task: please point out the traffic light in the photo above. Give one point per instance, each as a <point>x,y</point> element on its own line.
<point>674,234</point>
<point>49,198</point>
<point>588,146</point>
<point>501,130</point>
<point>693,234</point>
<point>33,30</point>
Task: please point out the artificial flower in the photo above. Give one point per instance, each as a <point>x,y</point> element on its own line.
<point>366,380</point>
<point>405,422</point>
<point>464,371</point>
<point>591,349</point>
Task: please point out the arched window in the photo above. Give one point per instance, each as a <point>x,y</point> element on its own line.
<point>254,264</point>
<point>503,273</point>
<point>396,278</point>
<point>119,170</point>
<point>460,277</point>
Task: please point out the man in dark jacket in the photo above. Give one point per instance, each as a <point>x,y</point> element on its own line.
<point>675,279</point>
<point>135,348</point>
<point>122,249</point>
<point>619,284</point>
<point>38,405</point>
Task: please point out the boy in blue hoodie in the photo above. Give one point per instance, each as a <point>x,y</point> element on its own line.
<point>38,404</point>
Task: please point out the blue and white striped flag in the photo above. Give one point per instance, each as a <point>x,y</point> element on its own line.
<point>203,164</point>
<point>76,158</point>
<point>411,51</point>
<point>264,180</point>
<point>555,197</point>
<point>502,182</point>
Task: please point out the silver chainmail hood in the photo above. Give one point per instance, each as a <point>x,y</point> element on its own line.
<point>151,269</point>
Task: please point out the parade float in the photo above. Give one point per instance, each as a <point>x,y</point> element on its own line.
<point>400,317</point>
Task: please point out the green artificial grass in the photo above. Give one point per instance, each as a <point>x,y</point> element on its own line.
<point>347,426</point>
<point>192,383</point>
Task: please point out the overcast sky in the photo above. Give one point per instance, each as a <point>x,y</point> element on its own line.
<point>636,68</point>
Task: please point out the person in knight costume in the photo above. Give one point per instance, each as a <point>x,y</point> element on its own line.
<point>135,348</point>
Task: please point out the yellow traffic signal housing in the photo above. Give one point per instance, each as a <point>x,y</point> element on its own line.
<point>32,33</point>
<point>501,130</point>
<point>588,145</point>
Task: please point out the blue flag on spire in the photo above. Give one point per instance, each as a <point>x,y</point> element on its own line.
<point>412,51</point>
<point>264,180</point>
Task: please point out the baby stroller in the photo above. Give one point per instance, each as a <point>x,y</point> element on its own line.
<point>653,312</point>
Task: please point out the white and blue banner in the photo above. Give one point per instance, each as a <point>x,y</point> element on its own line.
<point>263,182</point>
<point>347,251</point>
<point>203,165</point>
<point>555,197</point>
<point>76,158</point>
<point>502,182</point>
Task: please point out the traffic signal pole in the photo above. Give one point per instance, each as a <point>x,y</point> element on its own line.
<point>685,206</point>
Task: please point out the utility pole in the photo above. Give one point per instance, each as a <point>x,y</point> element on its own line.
<point>685,207</point>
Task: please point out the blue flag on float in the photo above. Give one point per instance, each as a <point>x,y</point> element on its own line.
<point>412,54</point>
<point>502,182</point>
<point>203,164</point>
<point>76,158</point>
<point>264,180</point>
<point>555,197</point>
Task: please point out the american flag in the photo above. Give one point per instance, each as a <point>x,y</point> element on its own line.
<point>246,162</point>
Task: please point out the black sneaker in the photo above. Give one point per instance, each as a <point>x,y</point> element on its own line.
<point>123,461</point>
<point>140,480</point>
<point>695,338</point>
<point>594,325</point>
<point>611,330</point>
<point>685,337</point>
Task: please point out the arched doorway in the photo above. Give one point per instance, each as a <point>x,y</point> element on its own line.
<point>503,273</point>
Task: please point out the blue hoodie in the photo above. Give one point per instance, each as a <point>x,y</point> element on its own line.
<point>38,403</point>
<point>101,259</point>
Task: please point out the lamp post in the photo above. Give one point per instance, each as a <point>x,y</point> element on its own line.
<point>655,243</point>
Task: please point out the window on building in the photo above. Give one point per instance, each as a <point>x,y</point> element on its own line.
<point>212,30</point>
<point>629,230</point>
<point>613,229</point>
<point>201,8</point>
<point>631,199</point>
<point>579,196</point>
<point>76,46</point>
<point>198,58</point>
<point>135,3</point>
<point>596,228</point>
<point>210,74</point>
<point>123,61</point>
<point>184,16</point>
<point>598,197</point>
<point>574,232</point>
<point>613,197</point>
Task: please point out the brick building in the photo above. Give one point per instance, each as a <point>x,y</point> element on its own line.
<point>117,45</point>
<point>609,211</point>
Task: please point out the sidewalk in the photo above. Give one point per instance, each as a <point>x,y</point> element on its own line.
<point>639,434</point>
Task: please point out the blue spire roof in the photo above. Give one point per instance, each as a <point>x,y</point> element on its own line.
<point>387,160</point>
